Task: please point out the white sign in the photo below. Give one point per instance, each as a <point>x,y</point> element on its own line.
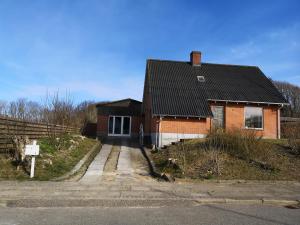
<point>33,149</point>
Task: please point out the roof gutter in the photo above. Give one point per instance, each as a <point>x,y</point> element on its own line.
<point>249,102</point>
<point>182,116</point>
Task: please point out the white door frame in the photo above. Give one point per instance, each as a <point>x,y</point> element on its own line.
<point>122,122</point>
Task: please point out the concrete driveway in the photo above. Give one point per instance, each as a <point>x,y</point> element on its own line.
<point>119,160</point>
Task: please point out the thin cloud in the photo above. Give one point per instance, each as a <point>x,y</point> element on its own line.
<point>95,90</point>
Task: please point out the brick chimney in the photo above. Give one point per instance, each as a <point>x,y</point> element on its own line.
<point>195,58</point>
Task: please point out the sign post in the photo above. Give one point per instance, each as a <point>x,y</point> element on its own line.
<point>32,150</point>
<point>32,167</point>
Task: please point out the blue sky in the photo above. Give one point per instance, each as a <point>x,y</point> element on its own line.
<point>97,50</point>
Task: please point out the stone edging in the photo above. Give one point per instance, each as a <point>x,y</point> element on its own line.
<point>282,202</point>
<point>153,170</point>
<point>80,168</point>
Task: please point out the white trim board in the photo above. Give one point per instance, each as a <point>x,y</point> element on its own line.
<point>168,138</point>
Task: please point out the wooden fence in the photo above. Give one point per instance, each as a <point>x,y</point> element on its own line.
<point>285,120</point>
<point>10,127</point>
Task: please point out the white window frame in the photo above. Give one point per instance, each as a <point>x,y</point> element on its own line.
<point>201,78</point>
<point>262,119</point>
<point>122,122</point>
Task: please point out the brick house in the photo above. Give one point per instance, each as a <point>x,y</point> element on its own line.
<point>119,118</point>
<point>186,99</point>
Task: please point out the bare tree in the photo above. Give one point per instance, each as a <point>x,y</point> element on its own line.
<point>55,109</point>
<point>3,107</point>
<point>13,110</point>
<point>86,112</point>
<point>292,95</point>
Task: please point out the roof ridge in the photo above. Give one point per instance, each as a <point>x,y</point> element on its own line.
<point>224,64</point>
<point>167,60</point>
<point>207,63</point>
<point>116,101</point>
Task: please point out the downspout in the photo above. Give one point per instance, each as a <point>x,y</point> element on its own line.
<point>278,122</point>
<point>157,133</point>
<point>160,134</point>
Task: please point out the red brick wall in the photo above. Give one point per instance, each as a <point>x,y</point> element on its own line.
<point>185,126</point>
<point>135,125</point>
<point>102,125</point>
<point>150,123</point>
<point>233,116</point>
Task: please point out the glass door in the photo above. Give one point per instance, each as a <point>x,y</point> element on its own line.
<point>126,125</point>
<point>119,126</point>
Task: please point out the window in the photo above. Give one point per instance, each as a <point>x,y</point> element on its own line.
<point>254,117</point>
<point>119,126</point>
<point>218,116</point>
<point>200,78</point>
<point>126,125</point>
<point>111,125</point>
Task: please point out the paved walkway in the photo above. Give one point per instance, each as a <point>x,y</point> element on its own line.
<point>124,163</point>
<point>95,170</point>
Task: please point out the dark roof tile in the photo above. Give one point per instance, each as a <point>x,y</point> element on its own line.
<point>176,91</point>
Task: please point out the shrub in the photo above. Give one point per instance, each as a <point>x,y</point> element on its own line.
<point>243,144</point>
<point>292,133</point>
<point>208,158</point>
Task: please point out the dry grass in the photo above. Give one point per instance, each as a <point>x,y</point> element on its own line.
<point>230,155</point>
<point>51,163</point>
<point>292,133</point>
<point>112,161</point>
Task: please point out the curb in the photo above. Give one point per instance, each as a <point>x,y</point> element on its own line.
<point>281,202</point>
<point>153,170</point>
<point>240,181</point>
<point>125,202</point>
<point>84,162</point>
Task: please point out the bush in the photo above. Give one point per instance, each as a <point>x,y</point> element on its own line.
<point>214,156</point>
<point>292,133</point>
<point>243,144</point>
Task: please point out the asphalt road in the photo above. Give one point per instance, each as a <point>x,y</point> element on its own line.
<point>201,214</point>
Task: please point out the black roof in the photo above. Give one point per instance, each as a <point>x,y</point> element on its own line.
<point>176,91</point>
<point>124,107</point>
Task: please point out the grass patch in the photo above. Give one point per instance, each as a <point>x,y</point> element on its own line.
<point>57,157</point>
<point>112,161</point>
<point>229,155</point>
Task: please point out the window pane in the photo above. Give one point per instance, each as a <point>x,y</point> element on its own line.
<point>253,117</point>
<point>118,125</point>
<point>110,125</point>
<point>126,125</point>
